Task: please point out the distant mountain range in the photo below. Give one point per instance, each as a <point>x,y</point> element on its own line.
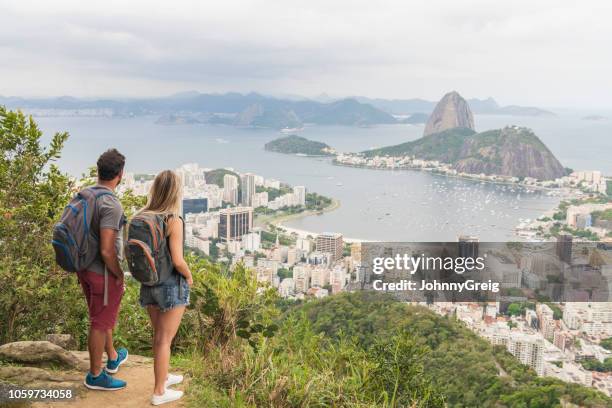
<point>479,106</point>
<point>253,109</point>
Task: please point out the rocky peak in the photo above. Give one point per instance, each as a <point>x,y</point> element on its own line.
<point>451,112</point>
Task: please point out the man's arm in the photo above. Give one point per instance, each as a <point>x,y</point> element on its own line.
<point>108,251</point>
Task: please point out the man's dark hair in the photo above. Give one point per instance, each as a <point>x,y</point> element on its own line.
<point>110,164</point>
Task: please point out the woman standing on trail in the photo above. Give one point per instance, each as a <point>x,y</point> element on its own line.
<point>167,298</point>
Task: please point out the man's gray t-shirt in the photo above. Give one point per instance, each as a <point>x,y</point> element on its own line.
<point>110,215</point>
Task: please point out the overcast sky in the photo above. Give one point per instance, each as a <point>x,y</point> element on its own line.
<point>536,52</point>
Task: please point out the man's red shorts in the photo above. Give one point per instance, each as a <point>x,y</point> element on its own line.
<point>101,317</point>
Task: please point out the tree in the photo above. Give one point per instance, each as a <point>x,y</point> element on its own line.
<point>33,193</point>
<point>514,309</point>
<point>606,343</point>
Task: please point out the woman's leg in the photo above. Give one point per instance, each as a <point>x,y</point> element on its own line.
<point>167,326</point>
<point>154,316</point>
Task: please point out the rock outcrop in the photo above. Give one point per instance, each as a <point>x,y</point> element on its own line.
<point>451,112</point>
<point>65,341</point>
<point>39,352</point>
<point>511,151</point>
<point>34,377</point>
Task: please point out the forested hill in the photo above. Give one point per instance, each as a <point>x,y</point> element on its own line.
<point>298,145</point>
<point>464,368</point>
<point>511,151</point>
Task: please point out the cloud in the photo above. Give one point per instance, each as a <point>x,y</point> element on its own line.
<point>545,52</point>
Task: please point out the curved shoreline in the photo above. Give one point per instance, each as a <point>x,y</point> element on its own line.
<point>475,178</point>
<point>278,219</point>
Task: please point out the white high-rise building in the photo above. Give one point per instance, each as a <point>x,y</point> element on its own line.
<point>251,242</point>
<point>304,244</point>
<point>260,199</point>
<point>269,183</point>
<point>247,182</point>
<point>527,348</point>
<point>286,287</point>
<point>300,194</point>
<point>230,189</point>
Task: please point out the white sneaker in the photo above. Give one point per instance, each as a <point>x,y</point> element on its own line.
<point>169,395</point>
<point>173,379</point>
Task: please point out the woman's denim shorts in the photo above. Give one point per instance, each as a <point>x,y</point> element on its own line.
<point>165,295</point>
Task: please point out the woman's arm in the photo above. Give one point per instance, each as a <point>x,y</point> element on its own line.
<point>175,232</point>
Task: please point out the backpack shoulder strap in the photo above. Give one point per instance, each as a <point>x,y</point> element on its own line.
<point>166,218</point>
<point>97,193</point>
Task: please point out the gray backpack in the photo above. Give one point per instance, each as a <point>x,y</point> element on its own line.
<point>74,244</point>
<point>146,249</point>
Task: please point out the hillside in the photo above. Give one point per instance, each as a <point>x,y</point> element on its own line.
<point>465,368</point>
<point>416,118</point>
<point>216,176</point>
<point>298,145</point>
<point>257,116</point>
<point>346,112</point>
<point>511,151</point>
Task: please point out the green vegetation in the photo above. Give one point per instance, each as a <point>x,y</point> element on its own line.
<point>457,144</point>
<point>518,308</point>
<point>609,188</point>
<point>606,343</point>
<point>596,365</point>
<point>274,193</point>
<point>444,146</point>
<point>269,237</point>
<point>313,202</point>
<point>557,312</point>
<point>602,215</point>
<point>581,233</point>
<point>239,343</point>
<point>216,176</point>
<point>284,273</point>
<point>317,202</point>
<point>298,145</point>
<point>451,348</point>
<point>144,177</point>
<point>510,151</point>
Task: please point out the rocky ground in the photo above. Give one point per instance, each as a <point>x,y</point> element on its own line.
<point>43,364</point>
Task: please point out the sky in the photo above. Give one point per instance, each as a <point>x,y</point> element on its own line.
<point>540,53</point>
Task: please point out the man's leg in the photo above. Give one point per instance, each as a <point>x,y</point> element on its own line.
<point>109,347</point>
<point>96,343</point>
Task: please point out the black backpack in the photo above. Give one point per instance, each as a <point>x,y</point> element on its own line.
<point>73,242</point>
<point>146,249</point>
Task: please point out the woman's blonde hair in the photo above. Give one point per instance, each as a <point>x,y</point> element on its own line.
<point>165,195</point>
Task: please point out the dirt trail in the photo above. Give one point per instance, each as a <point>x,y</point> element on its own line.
<point>137,371</point>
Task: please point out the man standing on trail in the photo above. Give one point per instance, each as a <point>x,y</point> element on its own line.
<point>102,280</point>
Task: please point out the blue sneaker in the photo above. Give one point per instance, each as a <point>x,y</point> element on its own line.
<point>112,366</point>
<point>103,382</point>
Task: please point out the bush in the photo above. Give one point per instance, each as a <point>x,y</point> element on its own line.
<point>36,297</point>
